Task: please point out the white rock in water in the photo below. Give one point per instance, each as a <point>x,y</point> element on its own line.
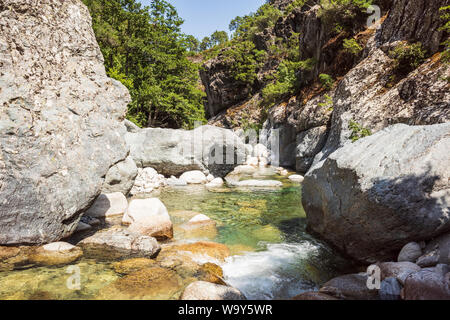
<point>107,205</point>
<point>245,169</point>
<point>210,178</point>
<point>252,161</point>
<point>58,247</point>
<point>218,182</point>
<point>149,217</point>
<point>297,178</point>
<point>199,218</point>
<point>201,290</point>
<point>194,177</point>
<point>259,183</point>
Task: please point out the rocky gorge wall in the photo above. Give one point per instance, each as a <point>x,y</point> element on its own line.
<point>371,208</point>
<point>60,119</point>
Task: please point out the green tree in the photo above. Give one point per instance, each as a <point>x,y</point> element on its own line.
<point>146,51</point>
<point>219,37</point>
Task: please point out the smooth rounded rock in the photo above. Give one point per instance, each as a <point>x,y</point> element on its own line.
<point>149,217</point>
<point>410,252</point>
<point>216,183</point>
<point>108,205</point>
<point>56,254</point>
<point>201,290</point>
<point>297,178</point>
<point>194,177</point>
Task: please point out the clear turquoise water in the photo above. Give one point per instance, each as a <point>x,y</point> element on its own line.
<point>273,255</point>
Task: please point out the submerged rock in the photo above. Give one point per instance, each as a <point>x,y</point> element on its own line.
<point>149,217</point>
<point>61,127</point>
<point>199,227</point>
<point>372,197</point>
<point>398,270</point>
<point>117,243</point>
<point>147,180</point>
<point>202,290</point>
<point>132,265</point>
<point>56,254</point>
<point>152,283</point>
<point>202,250</point>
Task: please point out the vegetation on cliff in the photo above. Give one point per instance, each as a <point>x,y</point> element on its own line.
<point>144,49</point>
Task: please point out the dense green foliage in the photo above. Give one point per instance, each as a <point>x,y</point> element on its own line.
<point>144,49</point>
<point>445,15</point>
<point>408,57</point>
<point>358,131</point>
<point>352,46</point>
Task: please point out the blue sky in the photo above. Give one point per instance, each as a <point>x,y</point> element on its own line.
<point>203,17</point>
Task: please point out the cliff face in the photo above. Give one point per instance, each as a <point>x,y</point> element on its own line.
<point>368,90</point>
<point>60,119</point>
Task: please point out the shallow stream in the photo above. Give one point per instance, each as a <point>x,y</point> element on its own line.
<point>273,257</point>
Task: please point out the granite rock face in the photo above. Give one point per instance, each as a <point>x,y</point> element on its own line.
<point>372,197</point>
<point>60,121</point>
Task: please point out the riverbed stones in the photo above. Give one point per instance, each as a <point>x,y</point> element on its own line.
<point>149,217</point>
<point>202,250</point>
<point>372,197</point>
<point>132,265</point>
<point>201,290</point>
<point>428,284</point>
<point>199,227</point>
<point>259,183</point>
<point>437,251</point>
<point>108,205</point>
<point>398,270</point>
<point>154,283</point>
<point>56,254</point>
<point>61,120</point>
<point>216,183</point>
<point>194,177</point>
<point>410,252</point>
<point>350,287</point>
<point>118,243</point>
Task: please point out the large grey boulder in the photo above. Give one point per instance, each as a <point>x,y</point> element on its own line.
<point>60,120</point>
<point>372,197</point>
<point>173,152</point>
